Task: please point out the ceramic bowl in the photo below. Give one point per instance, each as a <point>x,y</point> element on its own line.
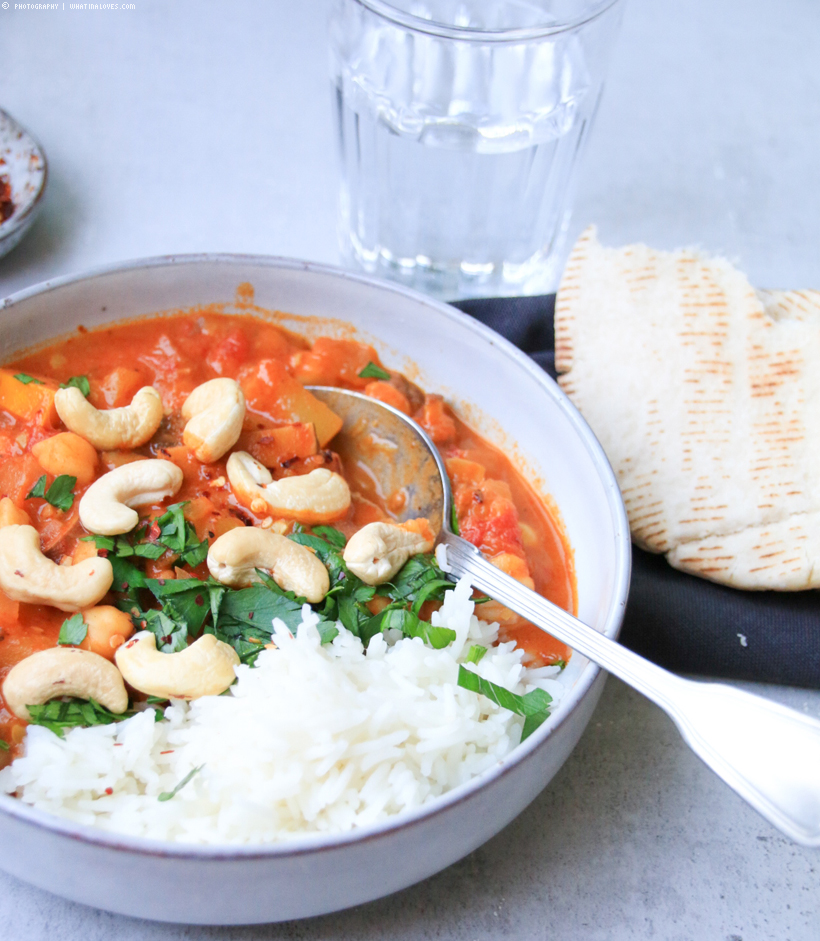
<point>511,402</point>
<point>21,160</point>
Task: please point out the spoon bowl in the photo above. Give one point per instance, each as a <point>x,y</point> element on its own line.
<point>768,754</point>
<point>389,457</point>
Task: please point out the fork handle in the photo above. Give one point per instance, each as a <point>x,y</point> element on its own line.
<point>768,754</point>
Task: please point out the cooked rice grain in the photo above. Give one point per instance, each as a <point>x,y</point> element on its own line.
<point>312,739</point>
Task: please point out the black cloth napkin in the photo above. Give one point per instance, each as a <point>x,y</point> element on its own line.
<point>683,623</point>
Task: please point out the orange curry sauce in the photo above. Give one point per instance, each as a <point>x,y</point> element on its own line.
<point>285,428</point>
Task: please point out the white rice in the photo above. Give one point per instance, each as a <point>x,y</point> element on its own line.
<point>312,739</point>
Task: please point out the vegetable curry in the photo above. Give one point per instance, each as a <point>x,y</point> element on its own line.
<point>285,432</point>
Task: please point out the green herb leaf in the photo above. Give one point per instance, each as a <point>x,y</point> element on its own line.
<point>4,745</point>
<point>532,722</point>
<point>73,630</point>
<point>127,577</point>
<point>39,489</point>
<point>437,637</point>
<point>420,579</point>
<point>332,535</point>
<point>59,494</point>
<point>196,554</point>
<point>167,795</point>
<point>186,601</point>
<point>475,653</point>
<point>77,382</point>
<point>101,542</point>
<point>172,527</point>
<point>178,534</point>
<point>143,550</point>
<point>327,631</point>
<point>372,371</point>
<point>454,520</point>
<point>25,378</point>
<point>58,715</point>
<point>171,634</point>
<point>533,705</point>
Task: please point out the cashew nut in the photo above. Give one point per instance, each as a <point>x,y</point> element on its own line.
<point>27,575</point>
<point>377,551</point>
<point>63,671</point>
<point>126,427</point>
<point>206,668</point>
<point>214,412</point>
<point>317,497</point>
<point>234,558</point>
<point>106,508</point>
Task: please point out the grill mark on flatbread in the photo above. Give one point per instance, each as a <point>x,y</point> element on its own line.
<point>704,396</point>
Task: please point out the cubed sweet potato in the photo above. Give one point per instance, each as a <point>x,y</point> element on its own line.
<point>271,391</point>
<point>31,401</point>
<point>334,362</point>
<point>276,446</point>
<point>387,393</point>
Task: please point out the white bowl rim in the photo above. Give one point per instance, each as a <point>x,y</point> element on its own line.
<point>311,843</point>
<point>24,213</point>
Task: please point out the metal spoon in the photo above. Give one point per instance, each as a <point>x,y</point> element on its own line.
<point>768,754</point>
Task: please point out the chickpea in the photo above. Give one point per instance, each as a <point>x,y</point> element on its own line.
<point>108,629</point>
<point>67,453</point>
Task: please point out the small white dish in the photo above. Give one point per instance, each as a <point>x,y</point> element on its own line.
<point>23,163</point>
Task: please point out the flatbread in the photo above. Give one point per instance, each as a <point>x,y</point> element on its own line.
<point>705,395</point>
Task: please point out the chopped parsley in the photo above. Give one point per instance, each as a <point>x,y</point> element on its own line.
<point>475,653</point>
<point>534,706</point>
<point>372,371</point>
<point>167,795</point>
<point>25,378</point>
<point>419,580</point>
<point>454,520</point>
<point>169,533</point>
<point>59,494</point>
<point>61,714</point>
<point>77,382</point>
<point>4,745</point>
<point>73,630</point>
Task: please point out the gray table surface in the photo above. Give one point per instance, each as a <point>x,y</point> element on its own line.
<point>206,126</point>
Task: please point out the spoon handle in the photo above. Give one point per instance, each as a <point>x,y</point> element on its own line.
<point>768,754</point>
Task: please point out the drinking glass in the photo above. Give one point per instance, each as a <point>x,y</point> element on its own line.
<point>460,125</point>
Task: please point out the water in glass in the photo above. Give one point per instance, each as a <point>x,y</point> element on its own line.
<point>458,154</point>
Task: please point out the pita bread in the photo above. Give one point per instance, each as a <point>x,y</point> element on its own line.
<point>705,395</point>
